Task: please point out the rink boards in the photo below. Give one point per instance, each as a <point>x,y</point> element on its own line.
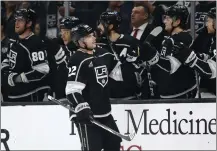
<point>161,126</point>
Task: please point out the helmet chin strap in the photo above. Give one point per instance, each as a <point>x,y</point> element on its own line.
<point>85,47</point>
<point>173,27</point>
<point>25,28</point>
<point>106,30</point>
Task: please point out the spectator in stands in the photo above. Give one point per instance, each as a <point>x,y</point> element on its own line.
<point>40,29</point>
<point>87,12</point>
<point>10,7</point>
<point>124,8</point>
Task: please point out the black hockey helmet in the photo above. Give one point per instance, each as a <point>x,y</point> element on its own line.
<point>69,22</point>
<point>111,17</point>
<point>80,31</point>
<point>27,14</point>
<point>178,12</point>
<point>212,13</point>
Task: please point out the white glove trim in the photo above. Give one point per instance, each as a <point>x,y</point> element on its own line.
<point>81,106</point>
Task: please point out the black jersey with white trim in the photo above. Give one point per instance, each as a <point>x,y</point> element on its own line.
<point>27,56</point>
<point>175,79</point>
<point>88,80</point>
<point>127,50</point>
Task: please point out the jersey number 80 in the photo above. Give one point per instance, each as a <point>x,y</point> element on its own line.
<point>38,56</point>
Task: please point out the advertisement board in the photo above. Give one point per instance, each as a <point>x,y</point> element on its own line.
<point>159,127</point>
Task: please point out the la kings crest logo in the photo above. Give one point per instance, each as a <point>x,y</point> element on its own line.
<point>12,58</point>
<point>101,75</point>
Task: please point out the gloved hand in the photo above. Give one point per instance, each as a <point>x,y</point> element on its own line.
<point>203,56</point>
<point>84,113</point>
<point>151,54</point>
<point>167,47</point>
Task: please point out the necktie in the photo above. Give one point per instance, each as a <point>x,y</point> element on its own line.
<point>135,32</point>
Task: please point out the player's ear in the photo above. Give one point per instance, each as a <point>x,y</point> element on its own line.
<point>177,22</point>
<point>29,24</point>
<point>80,42</point>
<point>110,27</point>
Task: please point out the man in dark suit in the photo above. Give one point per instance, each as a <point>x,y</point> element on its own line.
<point>141,26</point>
<point>141,29</point>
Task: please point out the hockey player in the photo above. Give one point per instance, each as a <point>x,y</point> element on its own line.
<point>26,64</point>
<point>87,89</point>
<point>208,54</point>
<point>65,46</point>
<point>66,24</point>
<point>126,50</point>
<point>175,79</point>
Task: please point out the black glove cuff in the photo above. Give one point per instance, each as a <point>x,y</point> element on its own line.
<point>81,106</point>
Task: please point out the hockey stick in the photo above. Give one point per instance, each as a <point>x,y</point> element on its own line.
<point>198,84</point>
<point>155,32</point>
<point>67,106</point>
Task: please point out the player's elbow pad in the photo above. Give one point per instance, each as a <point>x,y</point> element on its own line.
<point>42,68</point>
<point>73,87</point>
<point>60,56</point>
<point>175,64</point>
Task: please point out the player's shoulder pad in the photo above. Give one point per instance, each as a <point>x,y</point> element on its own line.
<point>76,58</point>
<point>184,37</point>
<point>35,41</point>
<point>101,51</point>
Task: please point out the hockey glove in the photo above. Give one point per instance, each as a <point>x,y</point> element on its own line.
<point>84,113</point>
<point>14,78</point>
<point>203,56</point>
<point>167,47</point>
<point>151,54</point>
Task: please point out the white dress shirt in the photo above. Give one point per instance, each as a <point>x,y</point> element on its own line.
<point>140,31</point>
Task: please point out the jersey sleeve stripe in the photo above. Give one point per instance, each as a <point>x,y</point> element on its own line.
<point>60,54</point>
<point>42,68</point>
<point>73,87</point>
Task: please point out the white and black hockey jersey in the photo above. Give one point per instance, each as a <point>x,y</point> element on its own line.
<point>26,57</point>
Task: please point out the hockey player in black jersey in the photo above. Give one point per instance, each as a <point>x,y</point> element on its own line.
<point>207,55</point>
<point>175,79</point>
<point>26,64</point>
<point>87,89</point>
<point>66,48</point>
<point>126,49</point>
<point>66,24</point>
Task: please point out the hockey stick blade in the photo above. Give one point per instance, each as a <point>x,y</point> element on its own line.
<point>67,106</point>
<point>155,32</point>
